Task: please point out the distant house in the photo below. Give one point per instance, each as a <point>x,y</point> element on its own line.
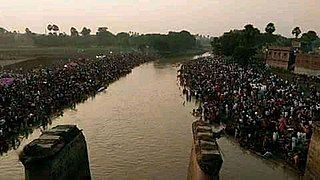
<point>291,59</point>
<point>307,63</point>
<point>282,57</point>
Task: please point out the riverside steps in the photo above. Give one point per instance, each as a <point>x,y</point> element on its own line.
<point>206,158</point>
<point>59,153</point>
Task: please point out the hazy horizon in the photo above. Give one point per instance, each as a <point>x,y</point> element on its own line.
<point>208,17</point>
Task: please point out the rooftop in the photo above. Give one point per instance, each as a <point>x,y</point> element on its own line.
<point>279,48</point>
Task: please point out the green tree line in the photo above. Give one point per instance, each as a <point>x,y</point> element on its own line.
<point>173,41</point>
<point>245,43</point>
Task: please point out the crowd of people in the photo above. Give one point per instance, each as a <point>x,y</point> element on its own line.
<point>31,98</point>
<point>265,113</point>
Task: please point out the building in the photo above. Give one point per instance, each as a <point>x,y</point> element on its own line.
<point>292,59</point>
<point>307,64</point>
<point>281,57</point>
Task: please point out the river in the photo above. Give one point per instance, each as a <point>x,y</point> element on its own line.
<point>140,128</point>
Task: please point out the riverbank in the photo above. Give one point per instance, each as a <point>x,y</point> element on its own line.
<point>181,54</point>
<point>263,112</point>
<point>31,99</point>
<point>45,56</point>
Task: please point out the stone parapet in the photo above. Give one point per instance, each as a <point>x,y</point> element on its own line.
<point>59,153</point>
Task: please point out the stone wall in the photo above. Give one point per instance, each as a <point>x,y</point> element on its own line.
<point>60,153</point>
<point>313,163</point>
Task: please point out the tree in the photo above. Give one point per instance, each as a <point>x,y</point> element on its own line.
<point>49,27</point>
<point>240,44</point>
<point>105,37</point>
<point>249,35</point>
<point>308,41</point>
<point>309,36</point>
<point>102,29</point>
<point>62,34</point>
<point>228,42</point>
<point>296,32</point>
<point>28,31</point>
<point>123,38</point>
<point>216,46</point>
<point>74,32</point>
<point>243,55</point>
<point>270,28</point>
<point>3,31</point>
<point>85,31</point>
<point>55,29</point>
<point>179,41</point>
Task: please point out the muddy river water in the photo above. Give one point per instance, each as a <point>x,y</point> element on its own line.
<point>140,128</point>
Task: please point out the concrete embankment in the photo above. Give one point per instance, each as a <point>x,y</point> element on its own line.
<point>206,158</point>
<point>194,170</point>
<point>313,163</point>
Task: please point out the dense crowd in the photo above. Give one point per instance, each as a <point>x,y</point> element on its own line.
<point>32,98</point>
<point>265,113</point>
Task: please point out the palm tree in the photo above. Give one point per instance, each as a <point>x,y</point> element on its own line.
<point>55,28</point>
<point>296,32</point>
<point>85,31</point>
<point>28,31</point>
<point>74,31</point>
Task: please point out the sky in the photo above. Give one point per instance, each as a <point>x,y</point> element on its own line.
<point>208,17</point>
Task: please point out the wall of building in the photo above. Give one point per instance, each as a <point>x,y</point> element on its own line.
<point>278,57</point>
<point>308,61</point>
<point>276,63</point>
<point>313,163</point>
<point>304,63</point>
